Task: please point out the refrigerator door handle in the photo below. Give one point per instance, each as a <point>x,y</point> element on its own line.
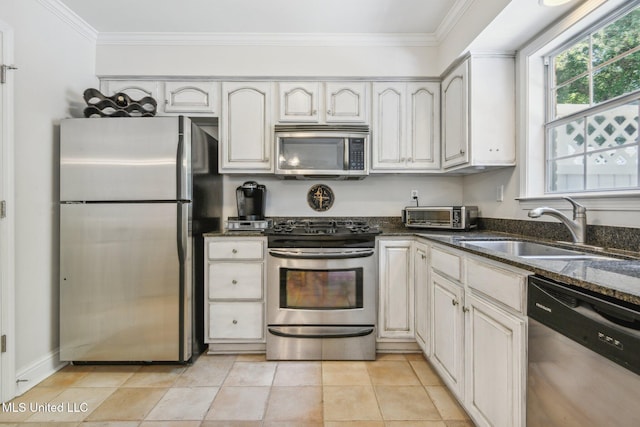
<point>183,163</point>
<point>184,259</point>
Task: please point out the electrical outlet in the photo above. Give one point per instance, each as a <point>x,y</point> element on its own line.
<point>414,194</point>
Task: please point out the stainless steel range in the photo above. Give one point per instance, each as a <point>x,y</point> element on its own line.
<point>321,290</point>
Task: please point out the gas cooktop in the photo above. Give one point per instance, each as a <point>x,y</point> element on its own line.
<point>321,233</point>
<point>321,227</point>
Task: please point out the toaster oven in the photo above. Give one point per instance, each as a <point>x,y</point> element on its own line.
<point>442,217</point>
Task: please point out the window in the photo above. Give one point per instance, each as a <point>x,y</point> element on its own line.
<point>592,127</point>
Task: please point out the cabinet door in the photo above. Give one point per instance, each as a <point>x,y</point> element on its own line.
<point>191,97</point>
<point>423,126</point>
<point>346,101</point>
<point>396,290</point>
<point>135,89</point>
<point>495,364</point>
<point>235,280</point>
<point>245,132</point>
<point>236,321</point>
<point>388,148</point>
<point>455,117</point>
<point>421,285</point>
<point>298,102</point>
<point>447,337</point>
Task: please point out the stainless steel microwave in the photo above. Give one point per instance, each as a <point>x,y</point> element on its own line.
<point>444,217</point>
<point>322,151</point>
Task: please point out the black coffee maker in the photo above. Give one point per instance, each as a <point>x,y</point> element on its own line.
<point>251,198</point>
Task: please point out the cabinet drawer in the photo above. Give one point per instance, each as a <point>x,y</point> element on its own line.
<point>235,249</point>
<point>502,285</point>
<point>447,263</point>
<point>235,280</point>
<point>236,320</point>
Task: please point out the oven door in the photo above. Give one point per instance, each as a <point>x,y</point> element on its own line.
<point>324,286</point>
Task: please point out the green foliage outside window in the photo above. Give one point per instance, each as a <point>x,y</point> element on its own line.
<point>619,43</point>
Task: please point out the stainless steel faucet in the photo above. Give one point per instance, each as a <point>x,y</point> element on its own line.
<point>577,226</point>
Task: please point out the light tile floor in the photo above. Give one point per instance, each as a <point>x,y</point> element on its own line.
<point>396,390</point>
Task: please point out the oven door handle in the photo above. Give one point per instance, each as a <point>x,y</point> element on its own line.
<point>352,253</point>
<point>321,331</point>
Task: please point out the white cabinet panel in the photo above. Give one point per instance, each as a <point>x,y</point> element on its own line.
<point>406,124</point>
<point>191,97</point>
<point>396,318</point>
<point>231,280</point>
<point>478,114</point>
<point>346,101</point>
<point>246,134</point>
<point>422,296</point>
<point>299,101</point>
<point>136,89</point>
<point>236,249</point>
<point>236,320</point>
<point>448,332</point>
<point>495,357</point>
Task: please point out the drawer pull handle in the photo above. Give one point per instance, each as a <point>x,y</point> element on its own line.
<point>235,322</point>
<point>234,281</point>
<point>234,251</point>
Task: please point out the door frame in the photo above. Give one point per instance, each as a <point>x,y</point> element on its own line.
<point>7,224</point>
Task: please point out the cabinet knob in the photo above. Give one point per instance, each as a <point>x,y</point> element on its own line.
<point>234,251</point>
<point>454,302</point>
<point>234,281</point>
<point>235,322</point>
<point>314,112</point>
<point>410,159</point>
<point>461,151</point>
<point>329,112</point>
<point>424,256</point>
<point>465,309</point>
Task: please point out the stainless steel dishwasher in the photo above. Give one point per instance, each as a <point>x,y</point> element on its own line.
<point>584,358</point>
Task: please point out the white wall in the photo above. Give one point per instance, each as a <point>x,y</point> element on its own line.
<point>376,195</point>
<point>55,64</point>
<point>239,60</point>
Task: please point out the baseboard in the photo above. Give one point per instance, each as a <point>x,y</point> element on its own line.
<point>34,374</point>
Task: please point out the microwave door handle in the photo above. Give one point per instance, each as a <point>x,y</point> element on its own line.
<point>346,154</point>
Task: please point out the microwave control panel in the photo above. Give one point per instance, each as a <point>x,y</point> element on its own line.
<point>356,154</point>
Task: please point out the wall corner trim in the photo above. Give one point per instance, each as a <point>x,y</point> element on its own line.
<point>69,17</point>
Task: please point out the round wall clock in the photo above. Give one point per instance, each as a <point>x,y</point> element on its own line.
<point>320,197</point>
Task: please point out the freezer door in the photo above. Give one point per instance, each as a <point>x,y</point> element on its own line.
<point>123,159</point>
<point>124,282</point>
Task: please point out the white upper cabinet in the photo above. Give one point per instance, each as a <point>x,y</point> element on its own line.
<point>406,127</point>
<point>135,89</point>
<point>346,101</point>
<point>246,134</point>
<point>192,97</point>
<point>317,102</point>
<point>478,114</point>
<point>299,102</point>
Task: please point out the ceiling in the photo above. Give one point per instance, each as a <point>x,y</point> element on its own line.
<point>268,16</point>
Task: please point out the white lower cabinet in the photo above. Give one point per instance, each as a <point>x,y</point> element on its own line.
<point>395,316</point>
<point>478,334</point>
<point>447,321</point>
<point>235,294</point>
<point>495,362</point>
<point>422,297</point>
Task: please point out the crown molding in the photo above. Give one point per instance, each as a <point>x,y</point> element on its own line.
<point>268,39</point>
<point>451,18</point>
<point>70,18</point>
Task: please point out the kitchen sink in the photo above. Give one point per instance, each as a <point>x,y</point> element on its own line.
<point>532,250</point>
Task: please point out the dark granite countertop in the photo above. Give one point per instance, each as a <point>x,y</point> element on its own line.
<point>619,279</point>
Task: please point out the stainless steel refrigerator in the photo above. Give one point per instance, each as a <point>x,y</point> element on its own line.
<point>136,194</point>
